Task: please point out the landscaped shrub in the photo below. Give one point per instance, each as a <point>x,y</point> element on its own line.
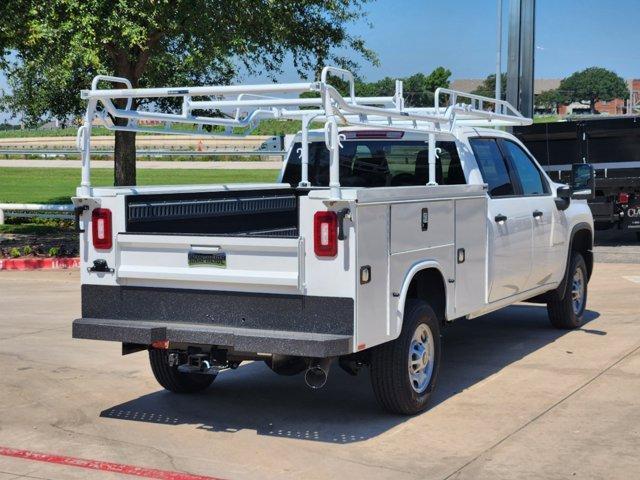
<point>54,251</point>
<point>14,252</point>
<point>27,250</point>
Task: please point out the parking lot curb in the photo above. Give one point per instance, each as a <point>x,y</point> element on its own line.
<point>39,263</point>
<point>101,465</point>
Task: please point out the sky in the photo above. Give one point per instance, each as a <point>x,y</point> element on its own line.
<point>419,35</point>
<point>412,36</point>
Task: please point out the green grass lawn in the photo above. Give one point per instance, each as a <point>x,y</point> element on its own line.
<point>55,132</point>
<point>546,118</point>
<point>57,185</point>
<point>266,127</point>
<point>33,228</point>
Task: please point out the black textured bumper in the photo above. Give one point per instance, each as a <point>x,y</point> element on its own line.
<point>283,324</point>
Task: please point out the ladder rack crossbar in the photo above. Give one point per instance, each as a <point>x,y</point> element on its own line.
<point>240,108</point>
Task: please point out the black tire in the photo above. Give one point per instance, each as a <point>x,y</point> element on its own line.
<point>563,313</point>
<point>390,378</point>
<point>173,380</point>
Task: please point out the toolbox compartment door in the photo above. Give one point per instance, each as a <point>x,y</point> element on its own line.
<point>471,254</point>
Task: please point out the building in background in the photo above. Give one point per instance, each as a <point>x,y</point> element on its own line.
<point>617,106</point>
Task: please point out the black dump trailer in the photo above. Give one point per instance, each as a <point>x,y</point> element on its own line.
<point>611,145</point>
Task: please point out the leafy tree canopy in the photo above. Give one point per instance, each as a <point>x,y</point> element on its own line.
<point>548,99</point>
<point>592,85</point>
<point>51,49</point>
<point>488,86</point>
<point>418,88</point>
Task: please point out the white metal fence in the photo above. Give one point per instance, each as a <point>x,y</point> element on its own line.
<point>52,152</point>
<point>29,210</point>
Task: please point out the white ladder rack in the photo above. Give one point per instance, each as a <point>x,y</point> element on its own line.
<point>243,107</point>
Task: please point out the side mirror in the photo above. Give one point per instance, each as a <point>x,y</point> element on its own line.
<point>563,197</point>
<point>582,181</point>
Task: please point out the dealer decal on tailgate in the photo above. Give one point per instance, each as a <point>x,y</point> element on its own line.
<point>217,259</point>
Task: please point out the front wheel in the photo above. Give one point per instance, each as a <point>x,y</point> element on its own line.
<point>404,372</point>
<point>567,312</point>
<point>173,380</point>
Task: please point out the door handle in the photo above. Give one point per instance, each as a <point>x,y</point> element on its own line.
<point>537,214</point>
<point>500,218</point>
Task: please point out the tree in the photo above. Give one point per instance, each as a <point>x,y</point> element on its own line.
<point>488,86</point>
<point>549,100</point>
<point>59,45</point>
<point>592,85</point>
<point>418,88</point>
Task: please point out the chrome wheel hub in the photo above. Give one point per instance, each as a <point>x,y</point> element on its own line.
<point>421,358</point>
<point>577,291</point>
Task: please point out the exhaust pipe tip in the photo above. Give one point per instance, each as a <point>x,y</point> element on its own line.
<point>315,377</point>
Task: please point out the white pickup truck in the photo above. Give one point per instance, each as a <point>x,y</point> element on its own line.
<point>383,227</point>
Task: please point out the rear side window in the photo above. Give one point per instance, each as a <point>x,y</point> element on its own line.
<point>378,163</point>
<point>492,166</point>
<point>528,173</point>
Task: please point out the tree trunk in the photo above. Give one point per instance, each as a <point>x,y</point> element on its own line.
<point>125,143</point>
<point>592,106</point>
<point>125,159</point>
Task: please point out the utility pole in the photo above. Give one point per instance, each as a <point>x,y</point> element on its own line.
<point>520,70</point>
<point>499,54</point>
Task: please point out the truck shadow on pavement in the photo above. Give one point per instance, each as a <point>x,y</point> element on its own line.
<point>344,411</point>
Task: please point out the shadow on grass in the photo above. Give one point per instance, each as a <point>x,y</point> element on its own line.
<point>63,200</point>
<point>33,229</point>
<point>344,411</point>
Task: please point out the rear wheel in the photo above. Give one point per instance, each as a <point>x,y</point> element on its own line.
<point>404,372</point>
<point>173,380</point>
<point>567,313</point>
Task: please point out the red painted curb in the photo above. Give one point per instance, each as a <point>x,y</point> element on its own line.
<point>38,263</point>
<point>102,466</point>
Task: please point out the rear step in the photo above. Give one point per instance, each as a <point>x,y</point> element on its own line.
<point>241,339</point>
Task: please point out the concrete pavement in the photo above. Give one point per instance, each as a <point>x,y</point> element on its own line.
<point>516,399</point>
<point>617,246</point>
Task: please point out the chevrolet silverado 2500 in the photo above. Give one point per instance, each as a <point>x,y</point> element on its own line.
<point>383,227</point>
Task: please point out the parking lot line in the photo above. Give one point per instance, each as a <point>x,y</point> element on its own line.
<point>546,411</point>
<point>100,465</point>
<point>632,278</point>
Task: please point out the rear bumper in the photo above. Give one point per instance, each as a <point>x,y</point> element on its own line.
<point>248,322</point>
<point>241,339</point>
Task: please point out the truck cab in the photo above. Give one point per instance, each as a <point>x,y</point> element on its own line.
<point>381,228</point>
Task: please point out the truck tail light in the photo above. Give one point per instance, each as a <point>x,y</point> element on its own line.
<point>623,198</point>
<point>373,134</point>
<point>325,234</point>
<point>101,228</point>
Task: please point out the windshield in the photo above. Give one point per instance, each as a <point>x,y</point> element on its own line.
<point>378,163</point>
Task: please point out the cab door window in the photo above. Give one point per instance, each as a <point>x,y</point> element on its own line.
<point>531,180</point>
<point>493,167</point>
